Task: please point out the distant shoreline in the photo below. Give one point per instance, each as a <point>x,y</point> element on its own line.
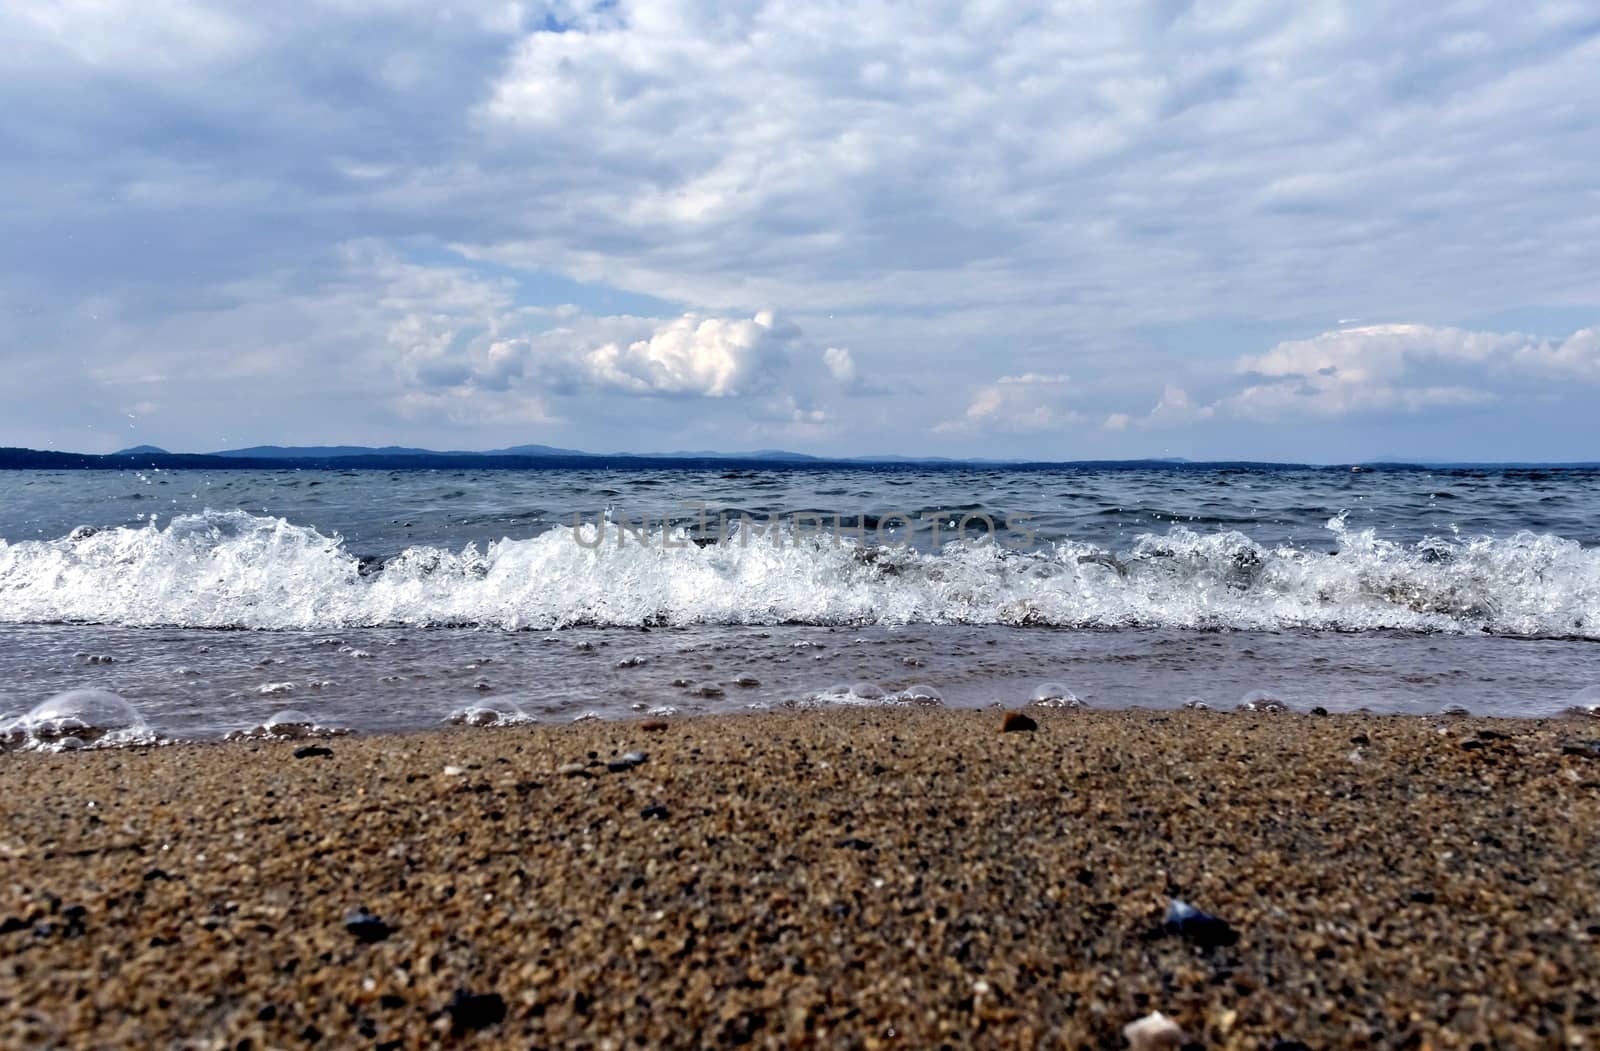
<point>19,459</point>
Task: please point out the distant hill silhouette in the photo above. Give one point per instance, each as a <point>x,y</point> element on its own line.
<point>546,457</point>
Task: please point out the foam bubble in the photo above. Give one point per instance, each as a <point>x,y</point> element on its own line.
<point>866,695</point>
<point>920,694</point>
<point>498,713</point>
<point>288,724</point>
<point>77,718</point>
<point>1054,695</point>
<point>1585,702</point>
<point>1262,701</point>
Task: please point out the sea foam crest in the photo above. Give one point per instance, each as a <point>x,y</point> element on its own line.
<point>232,569</point>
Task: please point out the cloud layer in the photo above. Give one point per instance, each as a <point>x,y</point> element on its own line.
<point>893,228</point>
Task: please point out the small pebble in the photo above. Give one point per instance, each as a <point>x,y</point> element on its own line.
<point>366,927</point>
<point>1154,1032</point>
<point>624,763</point>
<point>472,1011</point>
<point>311,751</point>
<point>654,725</point>
<point>655,811</point>
<point>1201,928</point>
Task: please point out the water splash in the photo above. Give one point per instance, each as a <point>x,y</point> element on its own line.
<point>236,570</point>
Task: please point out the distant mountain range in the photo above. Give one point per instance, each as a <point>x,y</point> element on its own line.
<point>395,457</point>
<point>331,452</point>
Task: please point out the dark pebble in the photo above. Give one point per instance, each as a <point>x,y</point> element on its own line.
<point>311,751</point>
<point>1016,722</point>
<point>1422,897</point>
<point>1200,928</point>
<point>1319,710</point>
<point>1587,749</point>
<point>856,843</point>
<point>622,764</point>
<point>471,1011</point>
<point>1493,735</point>
<point>366,927</point>
<point>654,810</point>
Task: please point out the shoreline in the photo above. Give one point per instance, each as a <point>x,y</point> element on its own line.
<point>876,877</point>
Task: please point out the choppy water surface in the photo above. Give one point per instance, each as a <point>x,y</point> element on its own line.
<point>383,600</point>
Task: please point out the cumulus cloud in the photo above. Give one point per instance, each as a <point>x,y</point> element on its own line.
<point>709,357</point>
<point>1031,402</point>
<point>1405,368</point>
<point>1175,408</point>
<point>841,365</point>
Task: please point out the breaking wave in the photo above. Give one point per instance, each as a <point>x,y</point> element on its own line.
<point>236,570</point>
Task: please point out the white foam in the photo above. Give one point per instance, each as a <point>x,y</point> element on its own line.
<point>288,724</point>
<point>496,713</point>
<point>235,570</point>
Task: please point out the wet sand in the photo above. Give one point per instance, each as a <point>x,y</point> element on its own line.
<point>886,878</point>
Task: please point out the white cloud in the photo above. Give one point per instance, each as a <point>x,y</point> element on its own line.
<point>1031,402</point>
<point>710,357</point>
<point>841,365</point>
<point>1405,368</point>
<point>1098,150</point>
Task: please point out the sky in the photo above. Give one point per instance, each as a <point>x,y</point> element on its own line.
<point>1327,232</point>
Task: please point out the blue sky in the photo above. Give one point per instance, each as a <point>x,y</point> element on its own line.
<point>1333,232</point>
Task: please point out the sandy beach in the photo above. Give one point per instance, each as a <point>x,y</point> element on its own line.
<point>881,878</point>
